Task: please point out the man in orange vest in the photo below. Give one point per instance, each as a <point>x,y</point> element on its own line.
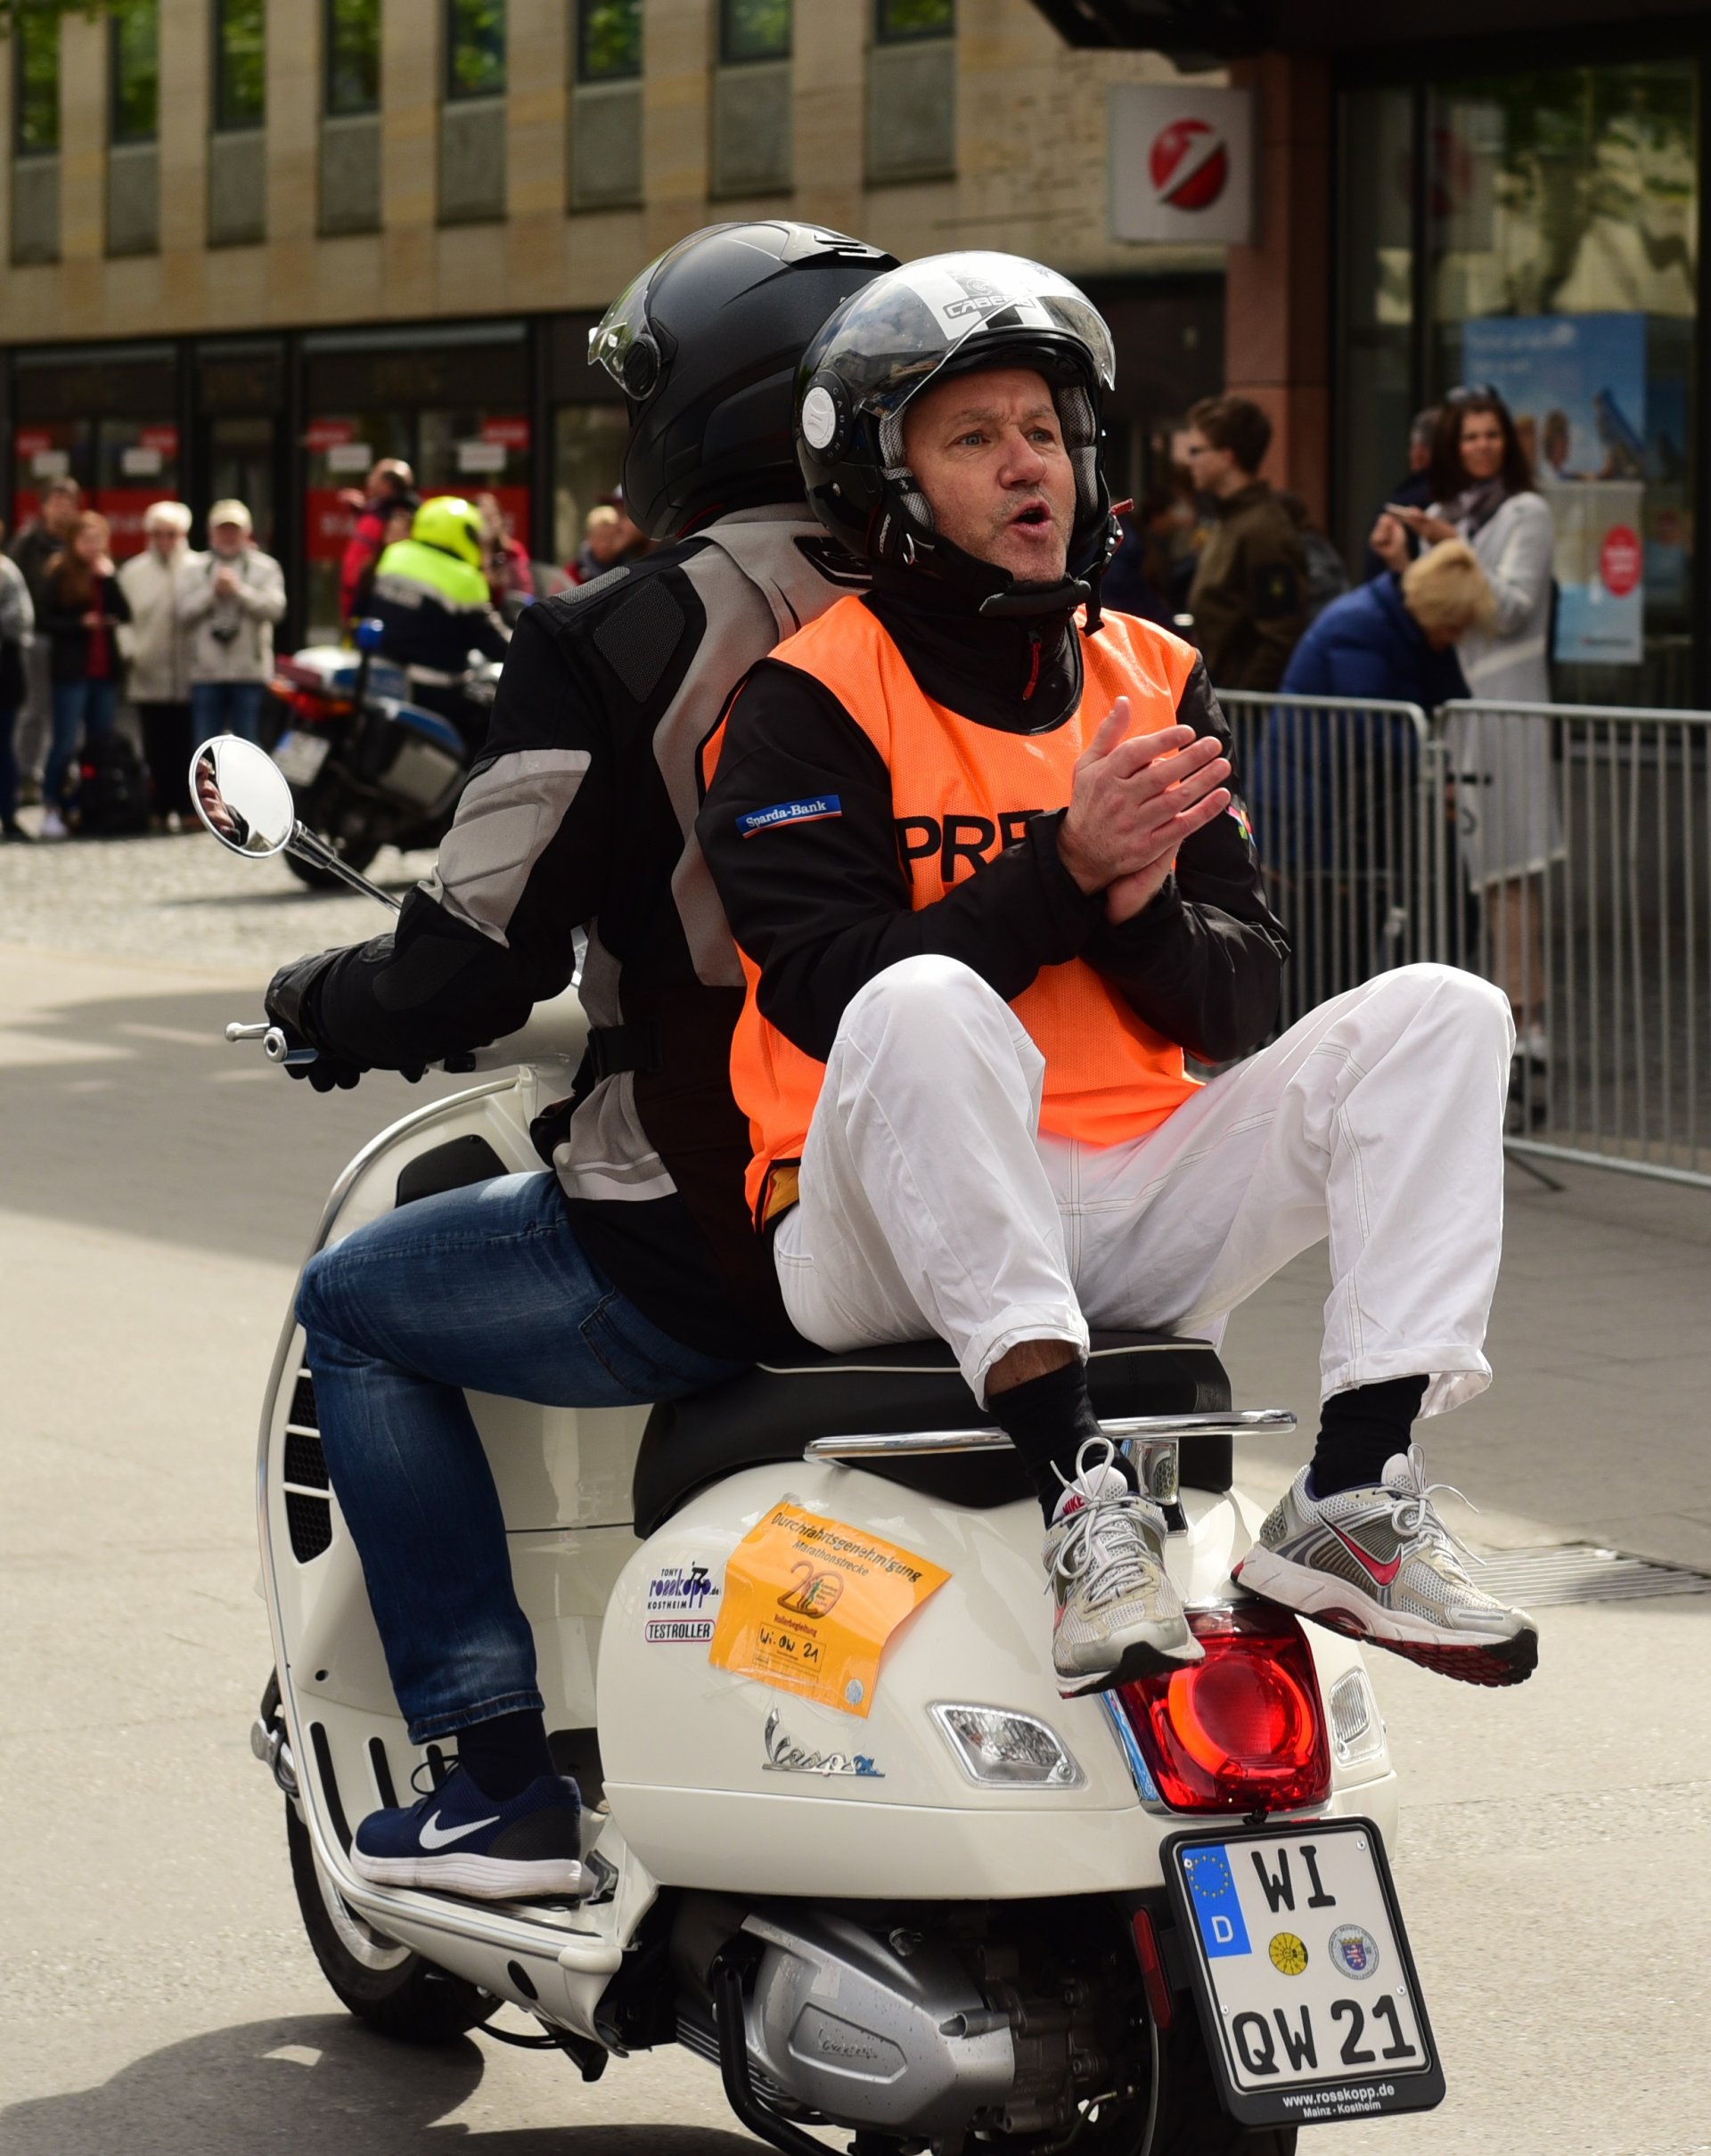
<point>986,864</point>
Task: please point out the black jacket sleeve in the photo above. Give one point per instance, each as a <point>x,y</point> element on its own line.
<point>1202,964</point>
<point>489,935</point>
<point>821,904</point>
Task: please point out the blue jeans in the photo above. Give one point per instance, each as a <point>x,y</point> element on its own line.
<point>485,1287</point>
<point>219,706</point>
<point>81,709</point>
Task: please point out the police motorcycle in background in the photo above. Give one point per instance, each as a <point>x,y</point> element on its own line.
<point>368,766</point>
<point>881,1875</point>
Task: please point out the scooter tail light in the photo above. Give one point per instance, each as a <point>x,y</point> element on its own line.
<point>1243,1730</point>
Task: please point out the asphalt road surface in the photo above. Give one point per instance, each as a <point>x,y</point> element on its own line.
<point>157,1188</point>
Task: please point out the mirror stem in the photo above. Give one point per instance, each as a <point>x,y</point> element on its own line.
<point>306,846</point>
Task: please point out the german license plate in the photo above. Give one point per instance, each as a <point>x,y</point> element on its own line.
<point>300,755</point>
<point>1302,1974</point>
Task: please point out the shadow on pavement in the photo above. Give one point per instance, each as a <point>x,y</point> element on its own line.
<point>154,1124</point>
<point>321,2083</point>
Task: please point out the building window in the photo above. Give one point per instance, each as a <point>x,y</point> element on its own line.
<point>240,64</point>
<point>36,94</point>
<point>136,75</point>
<point>475,48</point>
<point>754,29</point>
<point>609,40</point>
<point>353,50</point>
<point>896,21</point>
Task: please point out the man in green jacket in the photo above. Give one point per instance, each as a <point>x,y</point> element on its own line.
<point>430,597</point>
<point>1249,595</point>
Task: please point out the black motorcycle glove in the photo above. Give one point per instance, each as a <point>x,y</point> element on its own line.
<point>291,1005</point>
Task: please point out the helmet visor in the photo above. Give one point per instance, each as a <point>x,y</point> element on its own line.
<point>888,342</point>
<point>624,322</point>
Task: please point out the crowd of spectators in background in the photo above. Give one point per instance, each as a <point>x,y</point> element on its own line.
<point>186,635</point>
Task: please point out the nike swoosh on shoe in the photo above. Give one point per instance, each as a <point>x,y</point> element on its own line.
<point>1384,1574</point>
<point>435,1836</point>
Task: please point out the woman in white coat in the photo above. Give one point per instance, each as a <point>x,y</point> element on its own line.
<point>159,652</point>
<point>1509,818</point>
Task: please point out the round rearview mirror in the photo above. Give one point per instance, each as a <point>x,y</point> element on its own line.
<point>242,796</point>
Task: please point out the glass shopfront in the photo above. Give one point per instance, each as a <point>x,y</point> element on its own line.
<point>110,423</point>
<point>1538,231</point>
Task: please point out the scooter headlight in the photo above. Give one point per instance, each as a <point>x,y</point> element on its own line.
<point>1000,1750</point>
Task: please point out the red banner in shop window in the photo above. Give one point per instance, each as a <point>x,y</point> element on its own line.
<point>327,523</point>
<point>322,434</point>
<point>31,442</point>
<point>514,433</point>
<point>165,438</point>
<point>123,508</point>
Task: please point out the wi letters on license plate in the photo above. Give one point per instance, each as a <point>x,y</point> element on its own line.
<point>1302,1974</point>
<point>300,755</point>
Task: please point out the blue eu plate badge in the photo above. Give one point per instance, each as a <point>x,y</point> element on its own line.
<point>1217,1908</point>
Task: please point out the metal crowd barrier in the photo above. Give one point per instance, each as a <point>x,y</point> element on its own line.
<point>1563,852</point>
<point>1340,802</point>
<point>1577,875</point>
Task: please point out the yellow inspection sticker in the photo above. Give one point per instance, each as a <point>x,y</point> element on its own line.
<point>809,1604</point>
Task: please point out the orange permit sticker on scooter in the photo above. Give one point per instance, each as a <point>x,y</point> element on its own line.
<point>809,1604</point>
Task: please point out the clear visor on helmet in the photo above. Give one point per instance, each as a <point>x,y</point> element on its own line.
<point>622,323</point>
<point>893,337</point>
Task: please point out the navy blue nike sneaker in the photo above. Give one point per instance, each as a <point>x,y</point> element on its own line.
<point>457,1841</point>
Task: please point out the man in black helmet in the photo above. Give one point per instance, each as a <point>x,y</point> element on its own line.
<point>985,862</point>
<point>626,1273</point>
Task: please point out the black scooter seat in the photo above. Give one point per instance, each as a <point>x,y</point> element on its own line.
<point>770,1413</point>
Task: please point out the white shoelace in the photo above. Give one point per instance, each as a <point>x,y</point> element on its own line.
<point>1107,1530</point>
<point>1415,1516</point>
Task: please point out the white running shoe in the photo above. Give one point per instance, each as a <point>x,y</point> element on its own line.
<point>1119,1617</point>
<point>52,825</point>
<point>1380,1565</point>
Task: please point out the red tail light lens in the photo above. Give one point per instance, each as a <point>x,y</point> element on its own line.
<point>1242,1731</point>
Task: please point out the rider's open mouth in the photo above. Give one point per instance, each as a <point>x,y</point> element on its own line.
<point>1035,514</point>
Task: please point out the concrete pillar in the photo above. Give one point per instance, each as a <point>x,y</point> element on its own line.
<point>677,67</point>
<point>830,63</point>
<point>82,138</point>
<point>538,75</point>
<point>1277,292</point>
<point>411,64</point>
<point>293,130</point>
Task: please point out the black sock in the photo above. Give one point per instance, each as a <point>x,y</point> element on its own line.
<point>504,1755</point>
<point>1048,1419</point>
<point>1358,1431</point>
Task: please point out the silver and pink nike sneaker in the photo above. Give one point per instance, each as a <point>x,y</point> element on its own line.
<point>1380,1565</point>
<point>1117,1616</point>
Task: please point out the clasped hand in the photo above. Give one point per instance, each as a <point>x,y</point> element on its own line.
<point>1133,803</point>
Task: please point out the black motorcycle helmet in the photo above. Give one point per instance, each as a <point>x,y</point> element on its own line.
<point>942,316</point>
<point>704,345</point>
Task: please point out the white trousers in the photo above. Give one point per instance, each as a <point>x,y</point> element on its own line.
<point>932,1203</point>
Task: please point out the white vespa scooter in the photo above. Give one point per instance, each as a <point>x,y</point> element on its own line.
<point>945,1910</point>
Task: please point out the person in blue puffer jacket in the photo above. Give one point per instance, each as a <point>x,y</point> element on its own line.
<point>1391,640</point>
<point>1330,790</point>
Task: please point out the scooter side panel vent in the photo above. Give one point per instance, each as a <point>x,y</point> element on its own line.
<point>1581,1571</point>
<point>308,1518</point>
<point>305,1465</point>
<point>310,1521</point>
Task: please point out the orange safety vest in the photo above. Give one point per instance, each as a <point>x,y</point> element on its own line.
<point>961,792</point>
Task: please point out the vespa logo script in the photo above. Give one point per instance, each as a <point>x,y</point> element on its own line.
<point>783,1757</point>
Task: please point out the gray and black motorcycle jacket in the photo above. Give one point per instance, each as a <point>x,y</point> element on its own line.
<point>579,819</point>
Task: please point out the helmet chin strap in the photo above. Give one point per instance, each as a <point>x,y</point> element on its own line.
<point>995,593</point>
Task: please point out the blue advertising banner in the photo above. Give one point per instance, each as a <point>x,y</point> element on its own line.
<point>1576,384</point>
